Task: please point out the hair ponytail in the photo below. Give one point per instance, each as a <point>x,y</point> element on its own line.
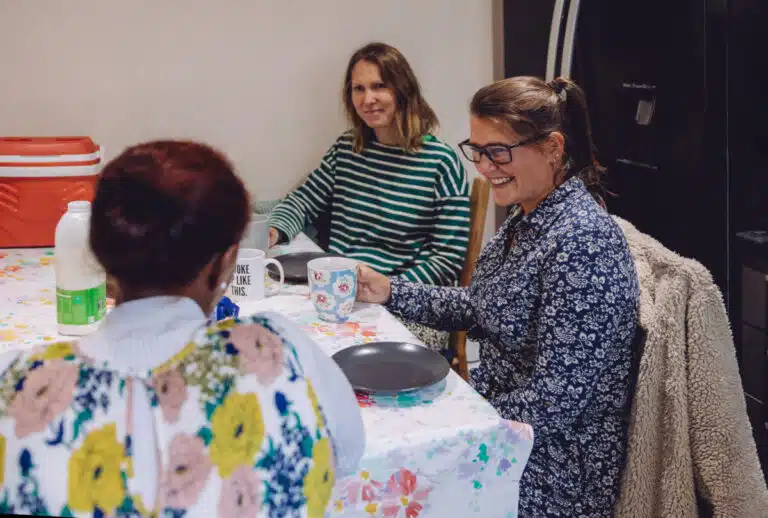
<point>579,146</point>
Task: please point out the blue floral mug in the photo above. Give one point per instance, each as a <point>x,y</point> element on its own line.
<point>332,287</point>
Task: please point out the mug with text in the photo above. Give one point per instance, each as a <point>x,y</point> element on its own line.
<point>248,280</point>
<point>332,287</point>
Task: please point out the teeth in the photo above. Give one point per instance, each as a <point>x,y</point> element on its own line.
<point>500,181</point>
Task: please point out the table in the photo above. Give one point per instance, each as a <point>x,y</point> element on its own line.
<point>440,452</point>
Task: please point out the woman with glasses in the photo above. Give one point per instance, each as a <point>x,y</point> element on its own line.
<point>553,300</point>
<point>395,195</point>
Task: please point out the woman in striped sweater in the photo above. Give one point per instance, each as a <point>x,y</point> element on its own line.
<point>396,196</point>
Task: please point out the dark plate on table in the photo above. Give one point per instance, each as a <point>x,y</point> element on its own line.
<point>295,266</point>
<point>391,366</point>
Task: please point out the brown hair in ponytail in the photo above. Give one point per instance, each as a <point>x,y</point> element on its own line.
<point>532,107</point>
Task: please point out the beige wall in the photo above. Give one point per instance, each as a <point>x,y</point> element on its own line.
<point>258,78</point>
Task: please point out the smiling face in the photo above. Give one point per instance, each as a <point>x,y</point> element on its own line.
<point>374,101</point>
<point>530,177</point>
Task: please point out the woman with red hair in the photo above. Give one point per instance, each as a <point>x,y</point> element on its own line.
<point>162,411</point>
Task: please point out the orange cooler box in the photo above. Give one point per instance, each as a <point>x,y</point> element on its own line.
<point>38,177</point>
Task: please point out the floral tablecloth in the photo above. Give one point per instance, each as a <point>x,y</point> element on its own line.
<point>440,452</point>
<point>27,298</point>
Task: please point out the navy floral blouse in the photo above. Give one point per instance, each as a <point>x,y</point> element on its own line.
<point>553,304</point>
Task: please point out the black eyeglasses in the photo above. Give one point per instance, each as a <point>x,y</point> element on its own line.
<point>499,154</point>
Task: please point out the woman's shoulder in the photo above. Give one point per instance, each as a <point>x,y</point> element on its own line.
<point>266,326</point>
<point>59,350</point>
<point>15,365</point>
<point>584,228</point>
<point>592,246</point>
<point>57,363</point>
<point>434,146</point>
<point>259,344</point>
<point>451,175</point>
<point>344,141</point>
<point>243,380</point>
<point>233,396</point>
<point>583,214</point>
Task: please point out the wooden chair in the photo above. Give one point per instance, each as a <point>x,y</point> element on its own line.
<point>478,208</point>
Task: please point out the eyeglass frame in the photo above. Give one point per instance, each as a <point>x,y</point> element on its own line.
<point>483,151</point>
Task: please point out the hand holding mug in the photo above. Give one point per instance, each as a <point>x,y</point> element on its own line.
<point>372,286</point>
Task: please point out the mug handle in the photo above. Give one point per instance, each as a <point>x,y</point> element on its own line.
<point>282,275</point>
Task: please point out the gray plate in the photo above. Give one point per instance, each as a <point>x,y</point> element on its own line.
<point>295,266</point>
<point>391,366</point>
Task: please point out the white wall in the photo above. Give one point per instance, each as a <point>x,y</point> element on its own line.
<point>258,78</point>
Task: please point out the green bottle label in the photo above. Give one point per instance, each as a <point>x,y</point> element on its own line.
<point>81,307</point>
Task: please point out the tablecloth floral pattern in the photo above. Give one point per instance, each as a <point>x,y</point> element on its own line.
<point>439,452</point>
<point>27,298</point>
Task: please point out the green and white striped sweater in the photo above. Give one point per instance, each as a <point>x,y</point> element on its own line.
<point>405,214</point>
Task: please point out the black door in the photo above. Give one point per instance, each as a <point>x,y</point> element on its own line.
<point>654,74</point>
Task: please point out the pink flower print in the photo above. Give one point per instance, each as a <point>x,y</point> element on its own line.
<point>322,301</point>
<point>171,393</point>
<point>240,494</point>
<point>343,286</point>
<point>187,472</point>
<point>360,487</point>
<point>46,392</point>
<point>402,492</point>
<point>261,352</point>
<point>320,278</point>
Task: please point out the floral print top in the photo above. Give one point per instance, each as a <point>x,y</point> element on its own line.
<point>553,304</point>
<point>239,429</point>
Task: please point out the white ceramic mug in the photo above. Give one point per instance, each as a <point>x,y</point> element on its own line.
<point>248,281</point>
<point>257,233</point>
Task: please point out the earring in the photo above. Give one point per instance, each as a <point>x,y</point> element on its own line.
<point>223,286</point>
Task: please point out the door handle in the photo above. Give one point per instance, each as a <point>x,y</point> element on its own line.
<point>554,35</point>
<point>569,37</point>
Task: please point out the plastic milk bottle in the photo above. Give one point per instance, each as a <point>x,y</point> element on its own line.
<point>81,283</point>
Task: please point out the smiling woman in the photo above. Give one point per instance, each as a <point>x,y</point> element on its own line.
<point>533,141</point>
<point>553,299</point>
<point>383,99</point>
<point>373,101</point>
<point>395,196</point>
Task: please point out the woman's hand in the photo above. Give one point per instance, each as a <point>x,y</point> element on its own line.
<point>372,286</point>
<point>274,235</point>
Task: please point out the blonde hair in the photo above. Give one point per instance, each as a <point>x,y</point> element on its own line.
<point>414,118</point>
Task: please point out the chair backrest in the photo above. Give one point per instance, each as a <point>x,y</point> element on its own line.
<point>686,397</point>
<point>478,209</point>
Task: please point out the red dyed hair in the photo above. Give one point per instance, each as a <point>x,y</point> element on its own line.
<point>163,210</point>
